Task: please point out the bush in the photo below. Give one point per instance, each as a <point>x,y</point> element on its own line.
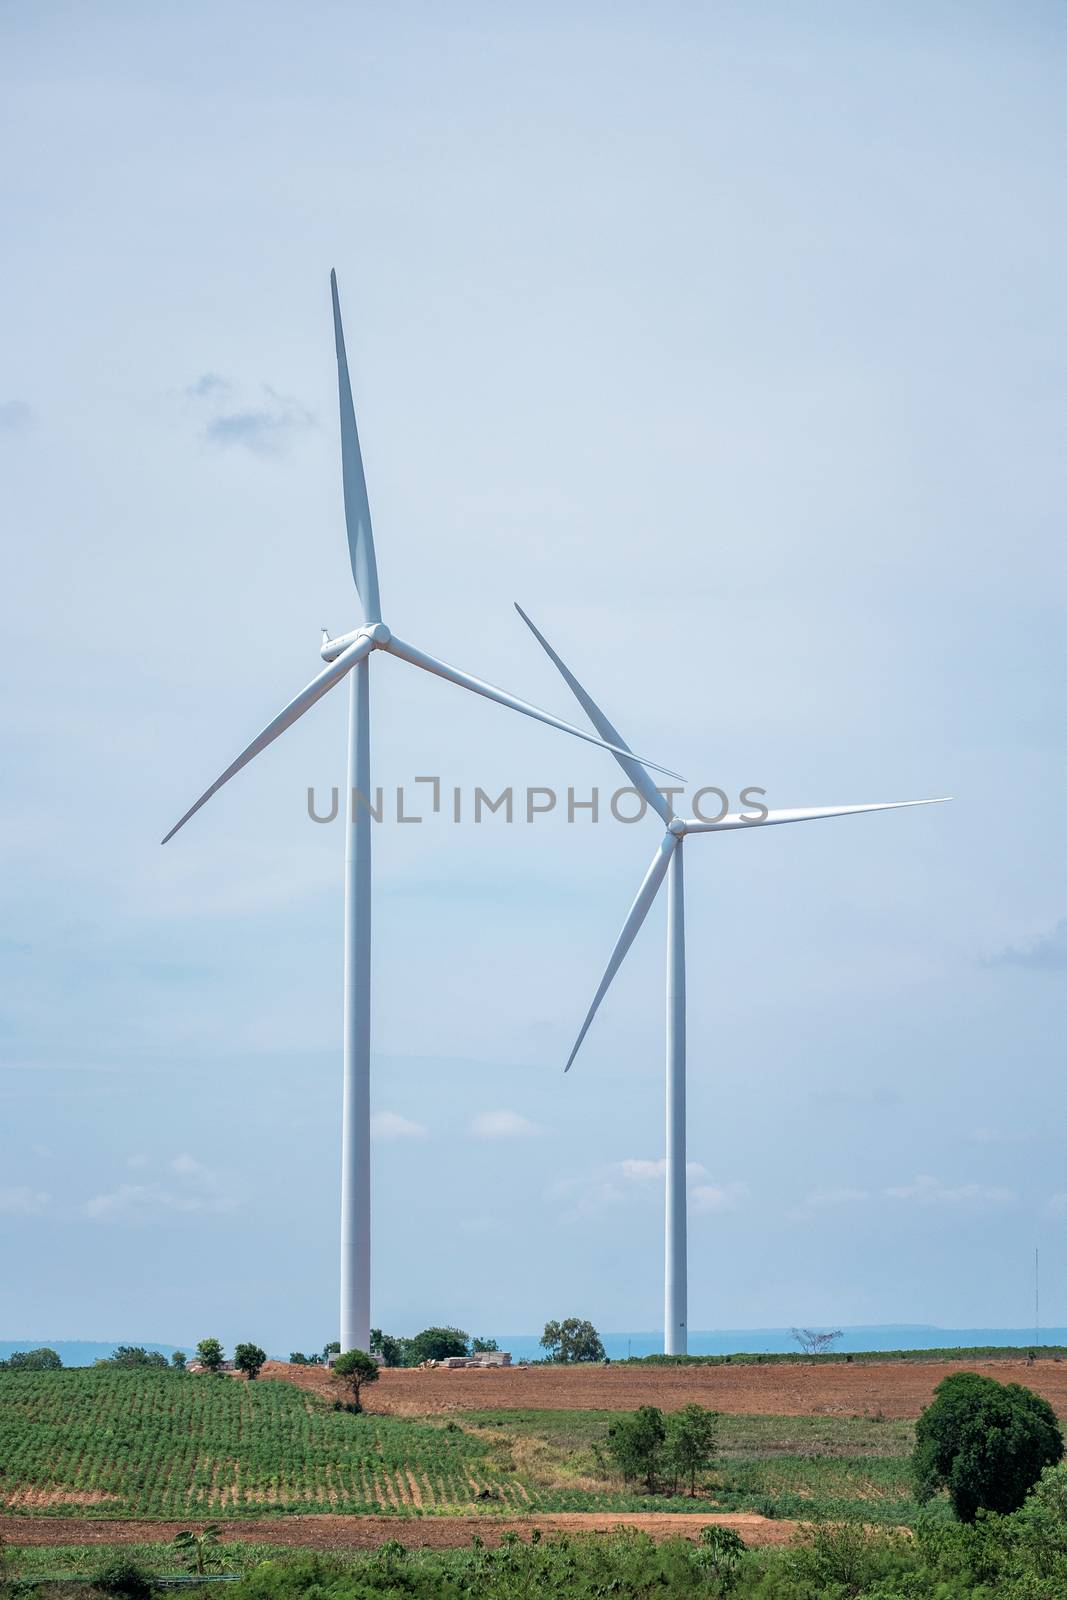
<point>985,1442</point>
<point>124,1578</point>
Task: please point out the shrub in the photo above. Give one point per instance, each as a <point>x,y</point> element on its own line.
<point>124,1578</point>
<point>985,1442</point>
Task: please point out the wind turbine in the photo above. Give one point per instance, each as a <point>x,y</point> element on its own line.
<point>667,862</point>
<point>348,656</point>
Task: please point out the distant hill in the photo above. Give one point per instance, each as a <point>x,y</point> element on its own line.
<point>83,1352</point>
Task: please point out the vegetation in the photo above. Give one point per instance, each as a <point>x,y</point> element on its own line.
<point>249,1359</point>
<point>435,1344</point>
<point>1022,1556</point>
<point>200,1552</point>
<point>134,1355</point>
<point>661,1451</point>
<point>356,1369</point>
<point>42,1360</point>
<point>814,1343</point>
<point>177,1360</point>
<point>985,1442</point>
<point>210,1354</point>
<point>975,1352</point>
<point>572,1340</point>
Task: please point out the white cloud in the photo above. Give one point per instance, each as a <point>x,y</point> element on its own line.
<point>22,1202</point>
<point>928,1191</point>
<point>502,1125</point>
<point>705,1197</point>
<point>639,1171</point>
<point>581,1198</point>
<point>827,1200</point>
<point>198,1192</point>
<point>390,1125</point>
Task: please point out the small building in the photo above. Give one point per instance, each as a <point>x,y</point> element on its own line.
<point>484,1358</point>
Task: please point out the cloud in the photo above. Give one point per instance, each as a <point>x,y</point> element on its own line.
<point>265,429</point>
<point>22,1202</point>
<point>389,1125</point>
<point>581,1198</point>
<point>705,1197</point>
<point>639,1171</point>
<point>1046,953</point>
<point>826,1200</point>
<point>209,384</point>
<point>502,1125</point>
<point>15,416</point>
<point>928,1191</point>
<point>197,1192</point>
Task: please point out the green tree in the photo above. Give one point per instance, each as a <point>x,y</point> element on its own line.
<point>297,1358</point>
<point>133,1355</point>
<point>985,1442</point>
<point>691,1441</point>
<point>572,1340</point>
<point>200,1552</point>
<point>636,1445</point>
<point>391,1350</point>
<point>249,1359</point>
<point>436,1344</point>
<point>41,1360</point>
<point>483,1347</point>
<point>356,1369</point>
<point>210,1354</point>
<point>328,1350</point>
<point>177,1360</point>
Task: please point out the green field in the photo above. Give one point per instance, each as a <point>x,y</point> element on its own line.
<point>105,1443</point>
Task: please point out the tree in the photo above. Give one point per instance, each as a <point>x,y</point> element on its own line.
<point>356,1368</point>
<point>483,1347</point>
<point>249,1359</point>
<point>985,1442</point>
<point>635,1444</point>
<point>691,1441</point>
<point>572,1340</point>
<point>391,1350</point>
<point>813,1343</point>
<point>297,1358</point>
<point>328,1350</point>
<point>436,1344</point>
<point>133,1355</point>
<point>177,1360</point>
<point>210,1354</point>
<point>200,1552</point>
<point>41,1360</point>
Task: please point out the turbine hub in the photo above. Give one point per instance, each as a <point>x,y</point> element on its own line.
<point>676,826</point>
<point>380,634</point>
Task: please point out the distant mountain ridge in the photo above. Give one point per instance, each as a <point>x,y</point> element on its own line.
<point>732,1341</point>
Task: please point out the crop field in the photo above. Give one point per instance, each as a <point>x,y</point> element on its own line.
<point>106,1444</point>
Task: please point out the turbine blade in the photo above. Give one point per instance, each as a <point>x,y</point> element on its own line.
<point>636,915</point>
<point>804,814</point>
<point>419,658</point>
<point>357,506</point>
<point>295,709</point>
<point>628,762</point>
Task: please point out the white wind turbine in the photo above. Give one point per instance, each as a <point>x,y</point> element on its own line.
<point>668,859</point>
<point>348,654</point>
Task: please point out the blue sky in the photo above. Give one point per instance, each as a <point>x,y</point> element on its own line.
<point>730,341</point>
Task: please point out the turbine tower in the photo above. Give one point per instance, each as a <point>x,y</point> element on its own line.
<point>349,656</point>
<point>667,863</point>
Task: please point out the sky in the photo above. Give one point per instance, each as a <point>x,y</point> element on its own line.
<point>730,341</point>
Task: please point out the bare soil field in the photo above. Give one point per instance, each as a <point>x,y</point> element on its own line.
<point>367,1533</point>
<point>889,1388</point>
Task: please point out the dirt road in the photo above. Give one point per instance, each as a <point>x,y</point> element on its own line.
<point>367,1533</point>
